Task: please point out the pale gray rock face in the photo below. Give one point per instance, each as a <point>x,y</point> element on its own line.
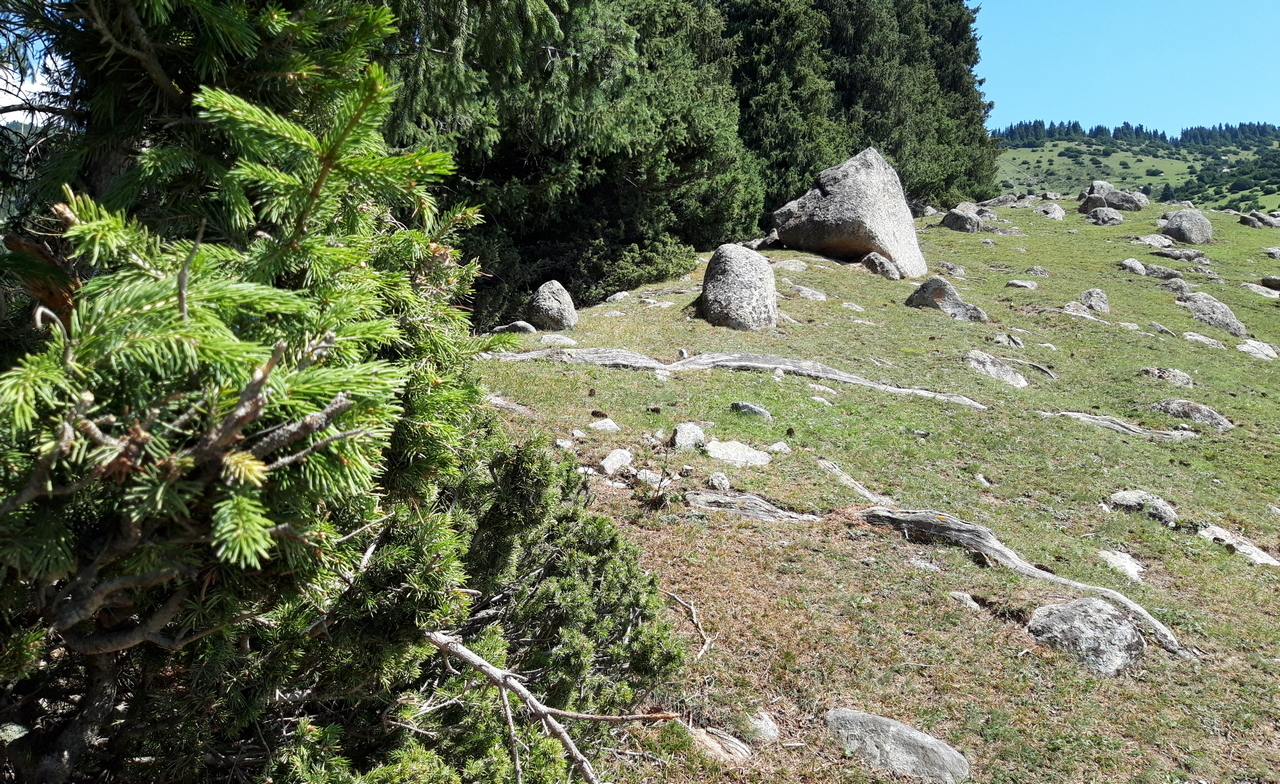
<point>605,426</point>
<point>738,290</point>
<point>615,461</point>
<point>557,340</point>
<point>1094,632</point>
<point>1005,339</point>
<point>892,746</point>
<point>882,266</point>
<point>1000,201</point>
<point>1051,195</point>
<point>1261,290</point>
<point>1051,211</point>
<point>752,409</point>
<point>552,308</point>
<point>1164,273</point>
<point>854,209</point>
<point>958,220</point>
<point>1273,253</point>
<point>1039,272</point>
<point>688,435</point>
<point>1271,281</point>
<point>718,481</point>
<point>763,729</point>
<point>1100,187</point>
<point>1177,286</point>
<point>990,366</point>
<point>1095,299</point>
<point>621,295</point>
<point>955,270</point>
<point>936,292</point>
<point>1154,240</point>
<point>1238,544</point>
<point>1105,216</point>
<point>1206,308</point>
<point>1172,375</point>
<point>1030,285</point>
<point>1124,563</point>
<point>1162,329</point>
<point>790,265</point>
<point>1092,202</point>
<point>737,453</point>
<point>1134,266</point>
<point>1196,412</point>
<point>1130,201</point>
<point>1196,337</point>
<point>1189,226</point>
<point>804,292</point>
<point>1138,500</point>
<point>517,327</point>
<point>1179,254</point>
<point>1257,348</point>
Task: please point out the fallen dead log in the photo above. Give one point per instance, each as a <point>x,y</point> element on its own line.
<point>932,525</point>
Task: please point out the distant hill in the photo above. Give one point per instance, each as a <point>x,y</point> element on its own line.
<point>1235,166</point>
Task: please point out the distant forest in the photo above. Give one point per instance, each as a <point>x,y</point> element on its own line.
<point>1036,132</point>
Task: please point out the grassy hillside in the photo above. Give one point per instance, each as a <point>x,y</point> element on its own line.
<point>809,616</point>
<point>1063,165</point>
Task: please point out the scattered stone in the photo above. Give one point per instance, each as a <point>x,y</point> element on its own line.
<point>743,407</point>
<point>1272,252</point>
<point>856,308</point>
<point>1162,329</point>
<point>822,400</point>
<point>885,744</point>
<point>1051,196</point>
<point>557,340</point>
<point>517,327</point>
<point>1154,240</point>
<point>718,481</point>
<point>1262,290</point>
<point>989,243</point>
<point>1039,272</point>
<point>854,209</point>
<point>779,448</point>
<point>1123,563</point>
<point>1196,412</point>
<point>1134,266</point>
<point>738,290</point>
<point>745,504</point>
<point>1257,348</point>
<point>1205,308</point>
<point>804,292</point>
<point>762,728</point>
<point>954,270</point>
<point>882,266</point>
<point>1271,282</point>
<point>652,478</point>
<point>1004,339</point>
<point>688,435</point>
<point>1177,285</point>
<point>720,745</point>
<point>1238,544</point>
<point>1138,500</point>
<point>1096,299</point>
<point>1093,631</point>
<point>1122,427</point>
<point>764,243</point>
<point>565,444</point>
<point>790,265</point>
<point>621,295</point>
<point>824,389</point>
<point>1189,226</point>
<point>936,292</point>
<point>1105,216</point>
<point>737,453</point>
<point>990,366</point>
<point>1099,187</point>
<point>552,308</point>
<point>1005,200</point>
<point>958,220</point>
<point>1179,254</point>
<point>1092,202</point>
<point>1172,375</point>
<point>1051,211</point>
<point>615,461</point>
<point>1022,284</point>
<point>843,478</point>
<point>1130,201</point>
<point>1073,231</point>
<point>605,425</point>
<point>965,600</point>
<point>1196,337</point>
<point>1078,309</point>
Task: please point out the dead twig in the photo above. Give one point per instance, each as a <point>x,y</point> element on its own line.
<point>1041,368</point>
<point>697,624</point>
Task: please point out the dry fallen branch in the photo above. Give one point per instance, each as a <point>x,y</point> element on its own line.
<point>1041,368</point>
<point>939,525</point>
<point>451,646</point>
<point>697,624</point>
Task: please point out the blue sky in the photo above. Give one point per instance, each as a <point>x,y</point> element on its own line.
<point>1167,64</point>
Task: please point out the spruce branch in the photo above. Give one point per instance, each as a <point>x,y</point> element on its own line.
<point>308,425</point>
<point>108,642</point>
<point>146,56</point>
<point>185,273</point>
<point>84,609</point>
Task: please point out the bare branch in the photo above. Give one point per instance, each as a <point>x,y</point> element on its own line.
<point>146,56</point>
<point>106,642</point>
<point>185,273</point>
<point>511,736</point>
<point>697,624</point>
<point>38,483</point>
<point>248,408</point>
<point>308,425</point>
<point>295,457</point>
<point>84,609</point>
<point>37,108</point>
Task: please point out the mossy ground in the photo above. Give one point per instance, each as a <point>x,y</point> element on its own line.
<point>811,616</point>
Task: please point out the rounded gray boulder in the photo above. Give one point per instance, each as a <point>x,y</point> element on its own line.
<point>738,290</point>
<point>1105,216</point>
<point>1189,226</point>
<point>552,308</point>
<point>890,745</point>
<point>1094,632</point>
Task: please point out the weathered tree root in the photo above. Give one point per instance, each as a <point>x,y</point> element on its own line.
<point>939,525</point>
<point>452,646</point>
<point>621,358</point>
<point>1121,426</point>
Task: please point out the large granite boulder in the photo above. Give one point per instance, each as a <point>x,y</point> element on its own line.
<point>962,220</point>
<point>1189,226</point>
<point>854,209</point>
<point>1051,211</point>
<point>1130,201</point>
<point>1105,216</point>
<point>1092,202</point>
<point>1094,632</point>
<point>552,308</point>
<point>890,745</point>
<point>738,290</point>
<point>936,292</point>
<point>1208,309</point>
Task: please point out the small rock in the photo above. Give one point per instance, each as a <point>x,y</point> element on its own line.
<point>958,220</point>
<point>1239,544</point>
<point>1162,329</point>
<point>854,307</point>
<point>651,478</point>
<point>1037,271</point>
<point>1095,299</point>
<point>605,425</point>
<point>1272,253</point>
<point>936,292</point>
<point>1051,211</point>
<point>1123,563</point>
<point>1134,266</point>
<point>821,388</point>
<point>1177,285</point>
<point>1261,290</point>
<point>743,407</point>
<point>621,295</point>
<point>737,453</point>
<point>1258,349</point>
<point>1206,308</point>
<point>613,313</point>
<point>989,243</point>
<point>552,308</point>
<point>557,340</point>
<point>989,365</point>
<point>1022,284</point>
<point>1172,375</point>
<point>1164,273</point>
<point>688,436</point>
<point>779,448</point>
<point>955,270</point>
<point>882,266</point>
<point>1154,240</point>
<point>565,444</point>
<point>1094,632</point>
<point>890,745</point>
<point>965,600</point>
<point>805,292</point>
<point>720,745</point>
<point>615,461</point>
<point>1105,216</point>
<point>1139,500</point>
<point>822,400</point>
<point>718,481</point>
<point>790,265</point>
<point>1179,254</point>
<point>923,565</point>
<point>1078,309</point>
<point>762,728</point>
<point>1196,337</point>
<point>1197,412</point>
<point>1003,339</point>
<point>516,326</point>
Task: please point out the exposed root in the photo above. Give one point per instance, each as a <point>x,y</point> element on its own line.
<point>697,624</point>
<point>1126,428</point>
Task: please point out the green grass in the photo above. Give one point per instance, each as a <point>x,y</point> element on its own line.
<point>810,616</point>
